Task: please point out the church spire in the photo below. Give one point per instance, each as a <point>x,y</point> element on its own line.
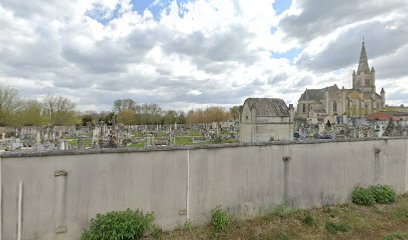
<point>363,63</point>
<point>364,78</point>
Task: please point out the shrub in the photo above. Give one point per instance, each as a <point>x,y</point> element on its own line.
<point>335,228</point>
<point>383,193</point>
<point>362,196</point>
<point>220,220</point>
<point>373,194</point>
<point>120,225</point>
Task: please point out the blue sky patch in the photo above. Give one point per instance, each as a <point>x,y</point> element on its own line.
<point>102,15</point>
<point>140,5</point>
<point>281,5</point>
<point>291,54</point>
<point>156,9</point>
<point>274,29</point>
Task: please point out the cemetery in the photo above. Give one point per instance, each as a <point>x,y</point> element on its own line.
<point>60,138</point>
<point>102,135</point>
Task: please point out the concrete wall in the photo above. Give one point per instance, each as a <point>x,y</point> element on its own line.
<point>96,183</point>
<point>181,184</point>
<point>258,132</point>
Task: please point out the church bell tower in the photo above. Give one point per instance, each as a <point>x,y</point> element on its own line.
<point>364,78</point>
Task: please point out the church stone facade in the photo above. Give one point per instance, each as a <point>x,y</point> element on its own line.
<point>359,101</point>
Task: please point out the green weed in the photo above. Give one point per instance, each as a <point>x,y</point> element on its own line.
<point>220,220</point>
<point>393,236</point>
<point>383,193</point>
<point>335,228</point>
<point>188,225</point>
<point>124,225</point>
<point>309,220</point>
<point>362,196</point>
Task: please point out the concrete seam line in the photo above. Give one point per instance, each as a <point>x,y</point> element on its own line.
<point>1,200</point>
<point>406,164</point>
<point>20,210</point>
<point>188,187</point>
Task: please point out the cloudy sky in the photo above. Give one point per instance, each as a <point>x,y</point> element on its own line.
<point>195,53</point>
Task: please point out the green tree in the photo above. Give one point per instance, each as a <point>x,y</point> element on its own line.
<point>127,117</point>
<point>31,114</point>
<point>106,117</point>
<point>181,118</point>
<point>60,111</point>
<point>149,114</point>
<point>89,117</point>
<point>235,112</point>
<point>124,104</point>
<point>10,103</point>
<point>170,117</point>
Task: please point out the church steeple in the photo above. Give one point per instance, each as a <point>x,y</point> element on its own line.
<point>364,78</point>
<point>363,63</point>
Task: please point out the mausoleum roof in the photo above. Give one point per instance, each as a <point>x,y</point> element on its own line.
<point>268,107</point>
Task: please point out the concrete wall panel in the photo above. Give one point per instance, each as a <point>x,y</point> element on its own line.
<point>96,183</point>
<point>61,193</point>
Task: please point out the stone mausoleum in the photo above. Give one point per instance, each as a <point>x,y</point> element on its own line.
<point>266,119</point>
<point>359,101</point>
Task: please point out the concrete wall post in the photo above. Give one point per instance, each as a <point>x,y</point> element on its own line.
<point>60,178</point>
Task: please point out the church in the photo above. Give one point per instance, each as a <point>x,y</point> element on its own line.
<point>357,102</point>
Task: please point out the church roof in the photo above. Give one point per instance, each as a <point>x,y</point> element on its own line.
<point>268,107</point>
<point>318,110</point>
<point>318,94</point>
<point>367,94</point>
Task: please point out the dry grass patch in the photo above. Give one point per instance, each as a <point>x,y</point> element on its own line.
<point>348,221</point>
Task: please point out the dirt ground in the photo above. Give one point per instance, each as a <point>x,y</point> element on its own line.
<point>349,221</point>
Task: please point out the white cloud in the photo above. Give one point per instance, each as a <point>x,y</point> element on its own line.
<point>196,53</point>
<point>194,92</point>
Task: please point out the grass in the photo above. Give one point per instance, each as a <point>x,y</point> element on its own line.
<point>191,133</point>
<point>347,221</point>
<point>137,134</point>
<point>180,140</point>
<point>309,220</point>
<point>87,142</point>
<point>334,228</point>
<point>396,235</point>
<point>137,145</point>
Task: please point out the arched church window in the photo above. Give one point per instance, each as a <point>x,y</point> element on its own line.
<point>367,81</point>
<point>334,107</point>
<point>304,107</point>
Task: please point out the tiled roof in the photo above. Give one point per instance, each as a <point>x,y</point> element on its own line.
<point>379,116</point>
